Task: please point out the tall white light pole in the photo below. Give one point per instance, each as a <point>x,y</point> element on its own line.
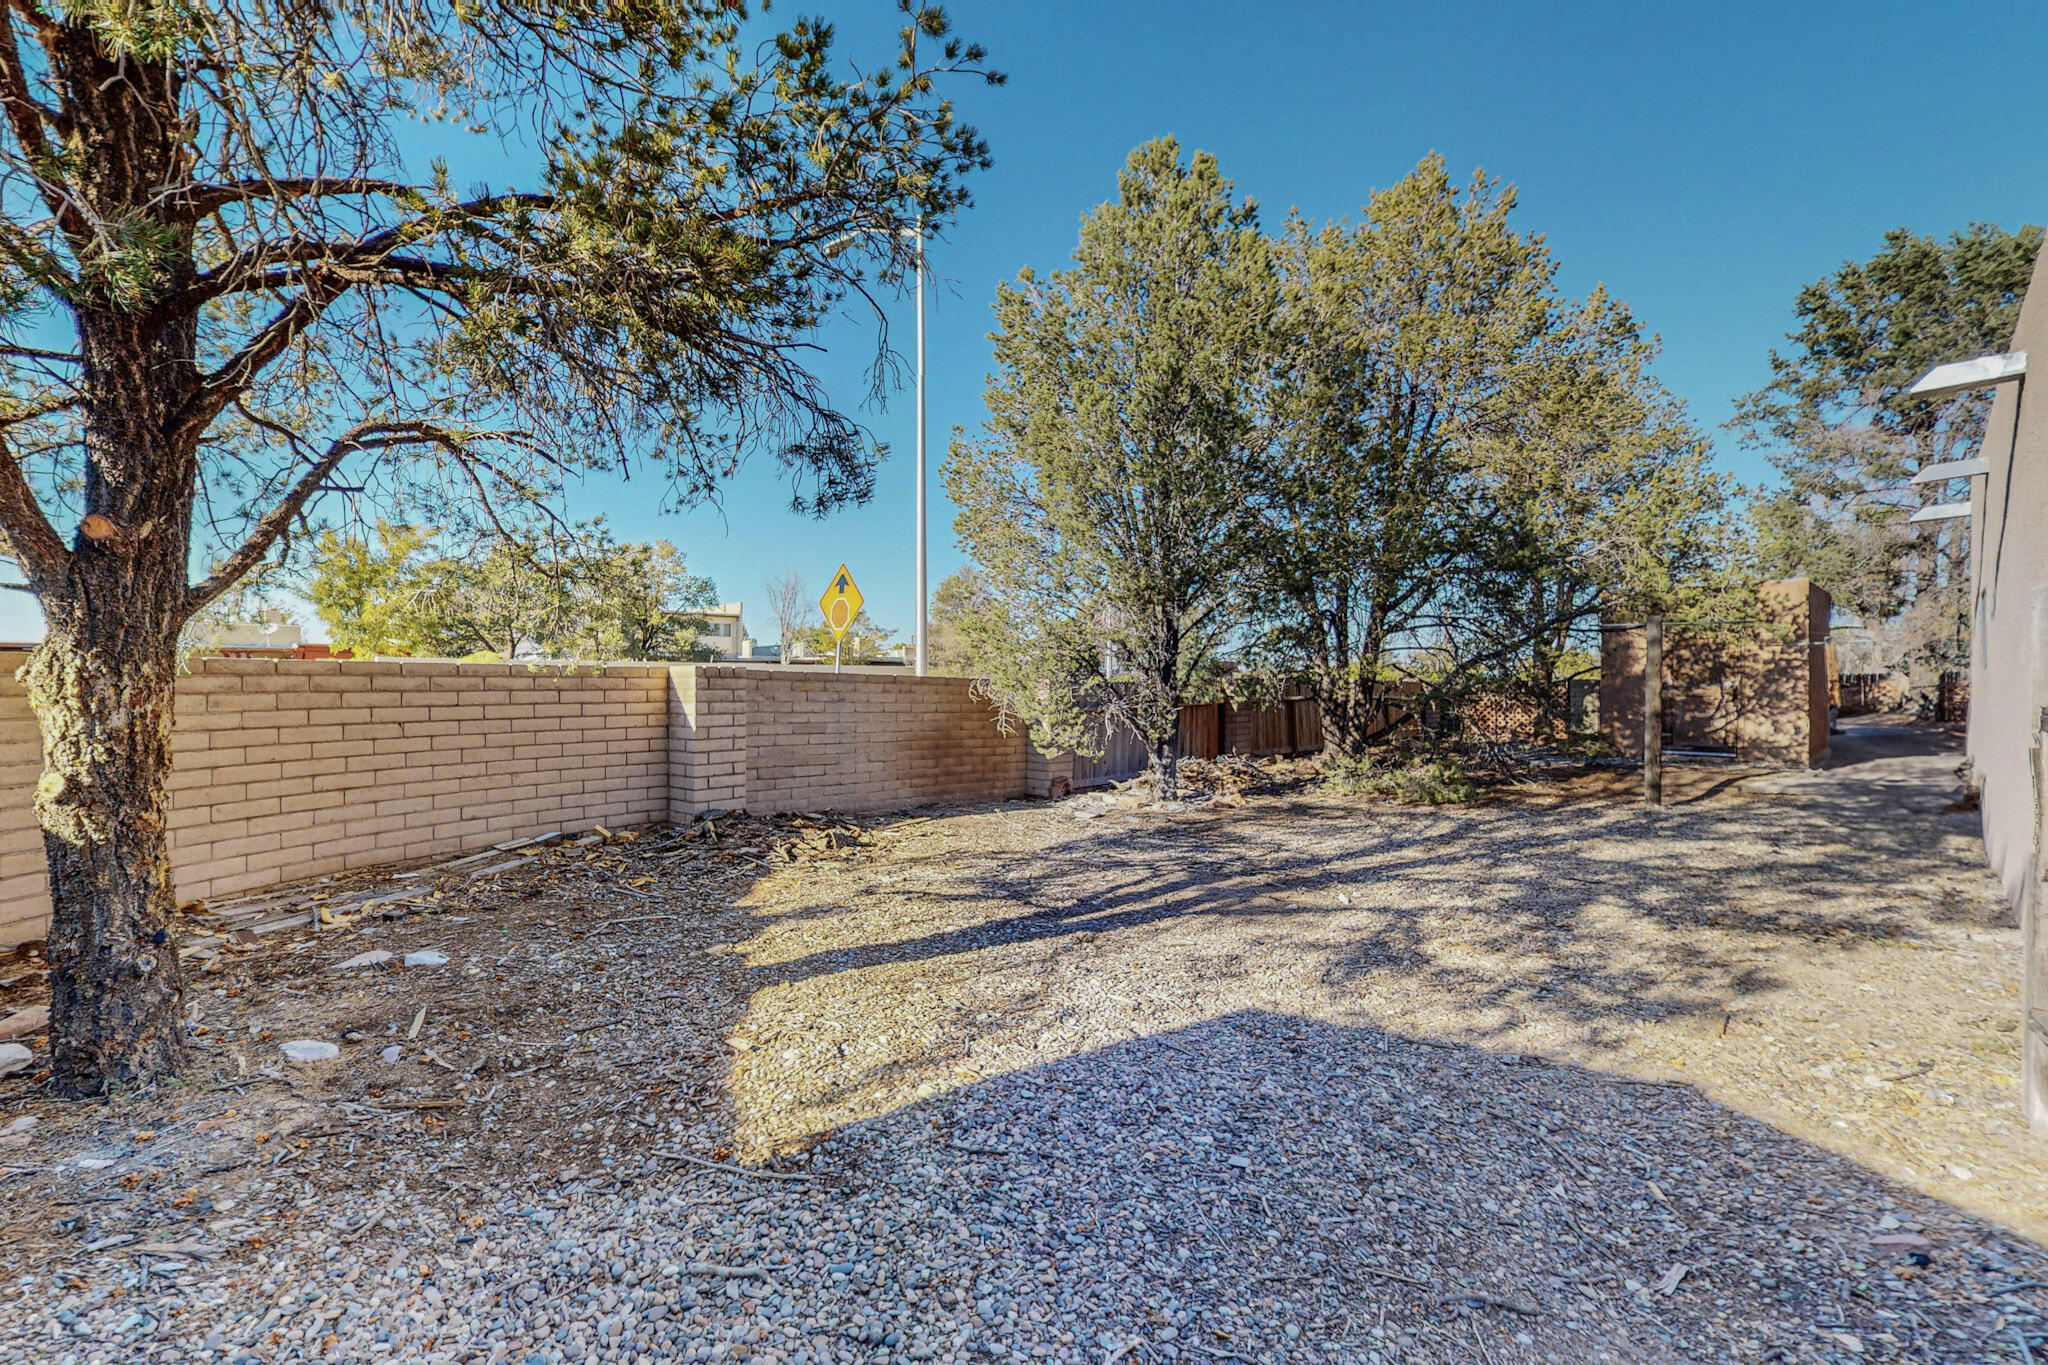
<point>923,662</point>
<point>915,234</point>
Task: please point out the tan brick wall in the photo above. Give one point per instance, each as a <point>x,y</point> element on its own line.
<point>769,739</point>
<point>24,879</point>
<point>1048,774</point>
<point>288,768</point>
<point>284,769</point>
<point>707,739</point>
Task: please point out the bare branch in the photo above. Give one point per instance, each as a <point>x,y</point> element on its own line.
<point>30,537</point>
<point>200,200</point>
<point>369,435</point>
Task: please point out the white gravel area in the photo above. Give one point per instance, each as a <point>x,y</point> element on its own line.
<point>1302,1080</point>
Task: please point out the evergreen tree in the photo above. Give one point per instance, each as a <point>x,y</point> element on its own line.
<point>225,292</point>
<point>1101,498</point>
<point>1838,423</point>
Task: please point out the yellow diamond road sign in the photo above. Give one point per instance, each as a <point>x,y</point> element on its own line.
<point>841,603</point>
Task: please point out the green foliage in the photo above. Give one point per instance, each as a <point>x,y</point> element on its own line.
<point>1465,466</point>
<point>961,596</point>
<point>1419,780</point>
<point>573,592</point>
<point>865,641</point>
<point>1100,501</point>
<point>1836,420</point>
<point>1363,455</point>
<point>685,195</point>
<point>640,601</point>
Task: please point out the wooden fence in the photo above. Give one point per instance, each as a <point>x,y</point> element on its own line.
<point>1863,693</point>
<point>1294,725</point>
<point>1209,730</point>
<point>1201,730</point>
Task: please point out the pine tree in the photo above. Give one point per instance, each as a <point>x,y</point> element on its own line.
<point>1836,420</point>
<point>226,292</point>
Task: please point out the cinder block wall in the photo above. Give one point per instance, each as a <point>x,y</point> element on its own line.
<point>24,878</point>
<point>297,768</point>
<point>285,769</point>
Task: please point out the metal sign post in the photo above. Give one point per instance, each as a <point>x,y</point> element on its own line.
<point>1653,711</point>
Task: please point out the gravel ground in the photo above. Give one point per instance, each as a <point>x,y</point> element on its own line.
<point>1547,1078</point>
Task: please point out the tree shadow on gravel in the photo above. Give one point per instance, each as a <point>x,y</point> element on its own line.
<point>1553,926</point>
<point>1260,1184</point>
<point>1564,895</point>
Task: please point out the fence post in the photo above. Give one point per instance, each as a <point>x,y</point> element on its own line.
<point>1653,710</point>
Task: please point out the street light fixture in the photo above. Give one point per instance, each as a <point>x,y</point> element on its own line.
<point>915,235</point>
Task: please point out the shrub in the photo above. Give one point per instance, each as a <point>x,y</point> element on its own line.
<point>1419,781</point>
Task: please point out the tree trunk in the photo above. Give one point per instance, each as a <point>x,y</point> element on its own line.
<point>1544,652</point>
<point>1346,704</point>
<point>102,687</point>
<point>1165,764</point>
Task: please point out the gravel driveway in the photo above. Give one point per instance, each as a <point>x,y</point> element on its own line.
<point>1548,1078</point>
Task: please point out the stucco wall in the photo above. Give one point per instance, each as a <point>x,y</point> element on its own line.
<point>1761,691</point>
<point>2009,655</point>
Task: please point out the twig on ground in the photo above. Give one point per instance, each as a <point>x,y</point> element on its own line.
<point>729,1272</point>
<point>729,1167</point>
<point>1489,1301</point>
<point>376,1216</point>
<point>631,919</point>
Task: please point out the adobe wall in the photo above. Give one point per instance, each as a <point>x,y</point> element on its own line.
<point>1761,692</point>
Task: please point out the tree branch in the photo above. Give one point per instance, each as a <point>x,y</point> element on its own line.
<point>30,536</point>
<point>227,383</point>
<point>255,267</point>
<point>26,115</point>
<point>373,435</point>
<point>201,200</point>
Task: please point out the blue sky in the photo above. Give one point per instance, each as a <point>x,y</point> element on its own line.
<point>1703,162</point>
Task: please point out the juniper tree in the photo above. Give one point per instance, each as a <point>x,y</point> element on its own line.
<point>1460,459</point>
<point>1837,422</point>
<point>227,288</point>
<point>1100,499</point>
<point>1594,496</point>
<point>1400,339</point>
